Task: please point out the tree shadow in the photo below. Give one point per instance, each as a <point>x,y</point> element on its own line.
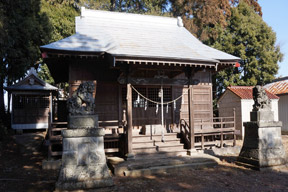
<point>20,170</point>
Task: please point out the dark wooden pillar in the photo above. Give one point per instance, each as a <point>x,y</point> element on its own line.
<point>129,121</point>
<point>191,117</point>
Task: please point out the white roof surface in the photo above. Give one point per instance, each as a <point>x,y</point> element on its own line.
<point>134,35</point>
<point>39,86</point>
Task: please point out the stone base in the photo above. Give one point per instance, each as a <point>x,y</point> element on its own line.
<point>88,184</point>
<point>83,160</point>
<point>262,145</point>
<point>82,121</point>
<point>84,177</point>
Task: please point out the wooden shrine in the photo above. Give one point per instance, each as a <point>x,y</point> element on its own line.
<point>131,58</point>
<point>31,102</point>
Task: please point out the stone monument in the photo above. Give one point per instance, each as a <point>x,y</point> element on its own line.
<point>262,147</point>
<point>83,158</point>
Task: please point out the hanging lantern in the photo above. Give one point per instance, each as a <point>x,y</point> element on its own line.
<point>145,105</point>
<point>167,108</point>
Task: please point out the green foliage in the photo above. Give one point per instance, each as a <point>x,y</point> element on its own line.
<point>61,16</point>
<point>44,74</point>
<point>250,38</point>
<point>151,7</point>
<point>25,28</point>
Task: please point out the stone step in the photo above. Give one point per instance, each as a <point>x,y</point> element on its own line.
<point>161,154</point>
<point>147,166</point>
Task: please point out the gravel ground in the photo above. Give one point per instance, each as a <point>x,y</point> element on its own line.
<point>20,170</point>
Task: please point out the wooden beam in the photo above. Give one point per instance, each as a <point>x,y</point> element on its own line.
<point>191,118</point>
<point>153,81</point>
<point>129,119</point>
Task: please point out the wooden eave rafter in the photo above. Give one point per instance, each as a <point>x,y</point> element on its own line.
<point>155,62</point>
<point>52,53</point>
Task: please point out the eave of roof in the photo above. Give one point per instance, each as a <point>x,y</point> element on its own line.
<point>19,86</point>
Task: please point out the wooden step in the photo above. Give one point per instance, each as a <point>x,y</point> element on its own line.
<point>156,149</point>
<point>150,143</point>
<point>160,154</point>
<point>167,136</point>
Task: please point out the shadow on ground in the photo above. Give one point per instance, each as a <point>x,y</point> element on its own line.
<point>20,170</point>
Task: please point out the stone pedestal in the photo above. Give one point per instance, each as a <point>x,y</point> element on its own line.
<point>83,159</point>
<point>262,147</point>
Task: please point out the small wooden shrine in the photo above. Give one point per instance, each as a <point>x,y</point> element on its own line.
<point>31,102</point>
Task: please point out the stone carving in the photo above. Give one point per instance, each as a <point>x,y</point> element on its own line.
<point>262,147</point>
<point>261,100</point>
<point>82,101</point>
<point>83,157</point>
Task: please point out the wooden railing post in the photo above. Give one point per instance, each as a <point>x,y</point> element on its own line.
<point>202,135</point>
<point>221,128</point>
<point>191,118</point>
<point>49,137</point>
<point>234,125</point>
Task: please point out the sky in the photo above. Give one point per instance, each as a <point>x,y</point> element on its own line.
<point>275,14</point>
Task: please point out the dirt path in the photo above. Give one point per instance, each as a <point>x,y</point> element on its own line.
<point>20,170</point>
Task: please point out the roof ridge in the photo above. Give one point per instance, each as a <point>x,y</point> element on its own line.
<point>131,17</point>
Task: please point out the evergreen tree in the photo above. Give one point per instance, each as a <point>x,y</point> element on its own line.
<point>205,19</point>
<point>23,29</point>
<point>250,38</point>
<point>61,15</point>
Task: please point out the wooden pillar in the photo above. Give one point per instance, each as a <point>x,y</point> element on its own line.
<point>234,134</point>
<point>129,121</point>
<point>191,117</point>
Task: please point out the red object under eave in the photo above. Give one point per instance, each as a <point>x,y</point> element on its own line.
<point>44,55</point>
<point>237,64</point>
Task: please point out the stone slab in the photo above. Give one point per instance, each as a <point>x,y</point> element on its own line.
<point>162,169</point>
<point>262,116</point>
<point>148,166</point>
<point>86,132</point>
<point>82,121</point>
<point>225,151</point>
<point>263,124</point>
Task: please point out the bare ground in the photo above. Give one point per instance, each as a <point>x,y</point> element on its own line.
<point>20,170</point>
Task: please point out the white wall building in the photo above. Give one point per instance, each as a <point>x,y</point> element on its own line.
<point>280,88</point>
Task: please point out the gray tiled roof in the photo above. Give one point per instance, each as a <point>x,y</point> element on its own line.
<point>39,86</point>
<point>134,35</point>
